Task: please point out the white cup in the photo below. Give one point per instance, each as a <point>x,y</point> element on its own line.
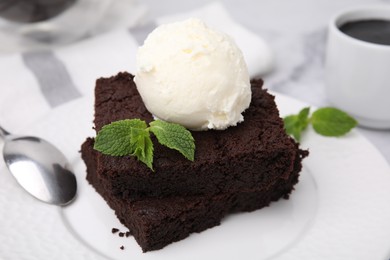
<point>358,72</point>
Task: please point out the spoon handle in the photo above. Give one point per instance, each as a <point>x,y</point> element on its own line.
<point>3,132</point>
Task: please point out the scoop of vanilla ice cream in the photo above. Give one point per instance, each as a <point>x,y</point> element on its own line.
<point>192,75</point>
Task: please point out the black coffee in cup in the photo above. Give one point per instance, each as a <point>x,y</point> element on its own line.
<point>374,30</point>
<point>29,11</point>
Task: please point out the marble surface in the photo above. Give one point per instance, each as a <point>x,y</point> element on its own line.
<point>296,31</point>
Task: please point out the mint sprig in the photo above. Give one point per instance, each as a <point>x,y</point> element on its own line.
<point>326,121</point>
<point>132,137</point>
<point>173,136</point>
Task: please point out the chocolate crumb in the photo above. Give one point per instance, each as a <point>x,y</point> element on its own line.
<point>114,230</point>
<point>122,247</point>
<point>121,234</point>
<point>128,233</point>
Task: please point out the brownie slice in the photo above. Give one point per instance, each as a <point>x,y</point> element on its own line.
<point>252,156</point>
<point>157,222</point>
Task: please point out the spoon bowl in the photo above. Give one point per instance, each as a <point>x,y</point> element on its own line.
<point>40,168</point>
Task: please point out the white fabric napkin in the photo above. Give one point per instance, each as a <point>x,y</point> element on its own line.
<point>33,83</point>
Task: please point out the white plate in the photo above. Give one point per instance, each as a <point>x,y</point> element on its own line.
<point>339,210</point>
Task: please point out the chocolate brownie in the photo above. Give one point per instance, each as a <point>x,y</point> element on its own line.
<point>157,222</point>
<point>252,156</point>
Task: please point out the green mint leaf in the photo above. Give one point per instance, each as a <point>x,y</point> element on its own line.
<point>142,146</point>
<point>174,136</point>
<point>290,123</point>
<point>132,137</point>
<point>115,138</point>
<point>329,121</point>
<point>296,124</point>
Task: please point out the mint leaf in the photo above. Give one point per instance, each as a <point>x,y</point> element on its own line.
<point>290,123</point>
<point>142,145</point>
<point>329,121</point>
<point>174,136</point>
<point>132,137</point>
<point>115,138</point>
<point>296,124</point>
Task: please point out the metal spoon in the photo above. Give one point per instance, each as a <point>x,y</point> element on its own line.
<point>40,168</point>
